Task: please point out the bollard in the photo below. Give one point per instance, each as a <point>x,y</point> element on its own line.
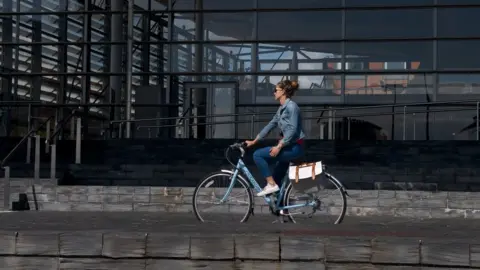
<point>53,162</point>
<point>6,189</point>
<point>37,159</point>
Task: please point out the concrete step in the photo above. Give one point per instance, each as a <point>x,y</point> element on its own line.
<point>48,196</point>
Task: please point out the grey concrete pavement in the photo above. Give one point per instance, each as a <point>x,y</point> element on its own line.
<point>187,224</point>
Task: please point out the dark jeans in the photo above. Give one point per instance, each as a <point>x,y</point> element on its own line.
<point>263,159</point>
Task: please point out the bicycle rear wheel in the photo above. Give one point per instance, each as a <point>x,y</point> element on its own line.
<point>209,191</point>
<point>332,202</point>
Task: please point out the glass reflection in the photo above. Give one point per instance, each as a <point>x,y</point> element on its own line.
<point>388,88</point>
<point>389,23</point>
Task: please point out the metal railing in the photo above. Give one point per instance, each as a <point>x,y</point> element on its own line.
<point>333,116</point>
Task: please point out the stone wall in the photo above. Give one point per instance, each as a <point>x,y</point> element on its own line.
<point>374,165</point>
<point>148,251</point>
<point>424,204</point>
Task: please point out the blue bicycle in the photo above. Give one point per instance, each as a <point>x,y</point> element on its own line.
<point>227,191</point>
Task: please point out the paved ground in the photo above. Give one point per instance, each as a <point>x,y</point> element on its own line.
<point>186,223</point>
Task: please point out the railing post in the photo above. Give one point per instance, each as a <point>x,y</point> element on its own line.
<point>37,159</point>
<point>322,131</point>
<point>6,189</point>
<point>47,144</point>
<point>78,141</point>
<point>414,127</point>
<point>72,128</point>
<point>478,130</point>
<point>53,162</point>
<point>334,123</point>
<point>29,150</point>
<point>404,122</point>
<point>330,123</point>
<point>348,128</point>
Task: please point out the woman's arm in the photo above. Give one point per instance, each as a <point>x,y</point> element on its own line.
<point>268,128</point>
<point>291,125</point>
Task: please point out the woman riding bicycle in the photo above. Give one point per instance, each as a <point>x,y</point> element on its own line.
<point>290,147</point>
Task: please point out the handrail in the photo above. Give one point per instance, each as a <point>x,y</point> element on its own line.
<point>313,118</point>
<point>312,110</point>
<point>33,130</point>
<point>60,126</point>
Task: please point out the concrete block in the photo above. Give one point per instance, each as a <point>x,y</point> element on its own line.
<point>7,243</point>
<point>445,254</point>
<point>348,249</point>
<point>401,251</point>
<point>80,244</point>
<point>37,243</point>
<point>257,247</point>
<point>302,248</point>
<point>168,246</point>
<point>28,263</point>
<point>122,245</point>
<point>212,247</point>
<point>101,264</point>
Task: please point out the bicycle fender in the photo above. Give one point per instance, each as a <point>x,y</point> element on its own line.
<point>342,187</point>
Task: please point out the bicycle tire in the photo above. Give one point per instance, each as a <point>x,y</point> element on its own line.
<point>239,179</point>
<point>339,220</point>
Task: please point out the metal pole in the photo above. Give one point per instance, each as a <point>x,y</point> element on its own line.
<point>53,162</point>
<point>47,144</point>
<point>128,112</point>
<point>478,130</point>
<point>29,139</point>
<point>348,128</point>
<point>404,122</point>
<point>252,129</point>
<point>6,189</point>
<point>334,123</point>
<point>72,128</point>
<point>330,123</point>
<point>414,127</point>
<point>322,131</point>
<point>36,176</point>
<point>78,141</point>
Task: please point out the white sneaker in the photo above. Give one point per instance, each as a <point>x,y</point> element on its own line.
<point>268,189</point>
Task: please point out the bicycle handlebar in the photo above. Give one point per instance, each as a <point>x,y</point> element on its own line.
<point>240,146</point>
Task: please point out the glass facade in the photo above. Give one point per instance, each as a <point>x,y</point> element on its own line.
<point>348,55</point>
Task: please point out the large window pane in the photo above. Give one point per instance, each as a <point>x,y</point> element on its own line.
<point>402,55</point>
<point>458,2</point>
<point>462,54</point>
<point>458,22</point>
<point>311,56</point>
<point>380,3</point>
<point>319,89</point>
<point>301,25</point>
<point>453,123</point>
<point>211,4</point>
<point>369,124</point>
<point>298,4</point>
<point>397,23</point>
<point>458,86</point>
<point>217,26</point>
<point>388,88</point>
<point>412,123</point>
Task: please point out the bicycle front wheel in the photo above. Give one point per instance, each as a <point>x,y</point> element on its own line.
<point>208,195</point>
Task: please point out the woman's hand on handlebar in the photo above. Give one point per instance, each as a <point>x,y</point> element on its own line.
<point>250,143</point>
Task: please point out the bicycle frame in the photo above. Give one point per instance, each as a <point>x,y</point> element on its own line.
<point>242,167</point>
